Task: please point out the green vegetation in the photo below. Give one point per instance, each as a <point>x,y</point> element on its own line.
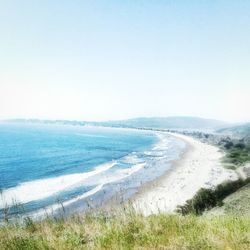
<point>237,151</point>
<point>206,199</point>
<point>237,203</point>
<point>128,230</point>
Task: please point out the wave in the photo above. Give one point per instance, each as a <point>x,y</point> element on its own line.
<point>115,177</point>
<point>44,188</point>
<point>51,209</point>
<point>108,173</point>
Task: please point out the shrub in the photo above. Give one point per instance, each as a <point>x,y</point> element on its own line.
<point>237,151</point>
<point>206,199</point>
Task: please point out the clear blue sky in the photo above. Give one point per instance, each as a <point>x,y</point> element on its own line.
<point>99,60</point>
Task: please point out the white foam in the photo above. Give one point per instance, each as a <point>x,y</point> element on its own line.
<point>122,173</point>
<point>131,159</point>
<point>118,175</point>
<point>54,207</point>
<point>40,189</point>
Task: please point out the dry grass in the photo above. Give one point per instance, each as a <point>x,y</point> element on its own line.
<point>128,230</point>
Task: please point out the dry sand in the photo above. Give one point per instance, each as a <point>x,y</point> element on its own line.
<point>200,166</point>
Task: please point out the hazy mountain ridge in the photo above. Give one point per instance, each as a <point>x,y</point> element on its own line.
<point>239,131</point>
<point>174,122</point>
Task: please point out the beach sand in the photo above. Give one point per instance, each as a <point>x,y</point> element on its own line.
<point>200,166</point>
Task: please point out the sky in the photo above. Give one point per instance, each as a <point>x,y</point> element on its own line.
<point>109,60</point>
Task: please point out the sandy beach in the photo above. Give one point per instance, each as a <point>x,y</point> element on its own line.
<point>199,166</point>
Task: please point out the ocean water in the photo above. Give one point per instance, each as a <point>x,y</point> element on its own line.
<point>49,167</point>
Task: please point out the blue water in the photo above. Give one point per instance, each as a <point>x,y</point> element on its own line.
<point>41,164</point>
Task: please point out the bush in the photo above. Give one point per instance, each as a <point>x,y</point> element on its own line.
<point>228,145</point>
<point>237,151</point>
<point>206,199</point>
<point>240,145</point>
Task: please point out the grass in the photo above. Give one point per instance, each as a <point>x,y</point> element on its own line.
<point>129,230</point>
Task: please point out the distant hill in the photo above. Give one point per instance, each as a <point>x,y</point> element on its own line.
<point>176,122</point>
<point>236,131</point>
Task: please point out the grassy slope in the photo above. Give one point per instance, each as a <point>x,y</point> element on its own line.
<point>130,231</point>
<point>237,203</point>
<point>207,199</point>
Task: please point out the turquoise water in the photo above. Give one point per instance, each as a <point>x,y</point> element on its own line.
<point>43,164</point>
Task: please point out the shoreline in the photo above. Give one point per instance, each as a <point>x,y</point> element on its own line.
<point>199,166</point>
<point>111,193</point>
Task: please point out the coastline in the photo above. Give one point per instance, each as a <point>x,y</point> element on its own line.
<point>199,166</point>
<point>116,192</point>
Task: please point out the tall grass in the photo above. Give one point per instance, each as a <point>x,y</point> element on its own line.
<point>128,230</point>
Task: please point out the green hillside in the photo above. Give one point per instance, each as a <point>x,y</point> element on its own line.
<point>237,203</point>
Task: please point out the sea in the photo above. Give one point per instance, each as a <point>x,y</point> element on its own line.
<point>53,169</point>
